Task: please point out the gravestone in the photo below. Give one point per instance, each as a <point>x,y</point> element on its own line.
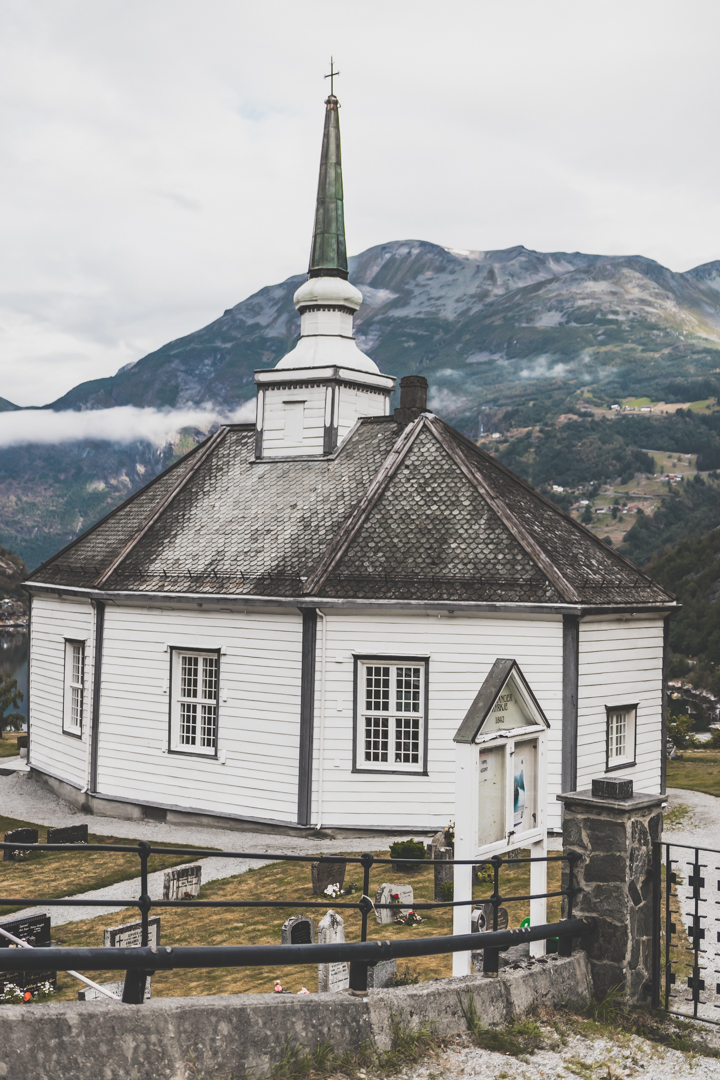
<point>35,929</point>
<point>384,895</point>
<point>327,873</point>
<point>437,841</point>
<point>298,930</point>
<point>71,834</point>
<point>380,974</point>
<point>20,836</point>
<point>89,993</point>
<point>182,882</point>
<point>332,977</point>
<point>481,920</point>
<point>444,871</point>
<point>129,935</point>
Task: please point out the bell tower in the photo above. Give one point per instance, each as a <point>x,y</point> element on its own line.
<point>310,400</point>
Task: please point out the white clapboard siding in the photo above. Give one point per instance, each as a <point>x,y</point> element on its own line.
<point>620,664</point>
<point>280,440</point>
<point>258,725</point>
<point>51,749</point>
<point>355,402</point>
<point>462,649</point>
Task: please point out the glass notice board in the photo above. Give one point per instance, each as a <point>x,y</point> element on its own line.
<point>491,819</point>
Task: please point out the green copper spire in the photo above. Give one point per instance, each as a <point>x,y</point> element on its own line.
<point>328,256</point>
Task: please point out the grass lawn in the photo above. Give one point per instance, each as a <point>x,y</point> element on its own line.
<point>238,926</point>
<point>8,744</point>
<point>53,874</point>
<point>698,771</point>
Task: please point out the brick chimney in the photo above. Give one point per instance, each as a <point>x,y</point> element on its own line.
<point>413,399</point>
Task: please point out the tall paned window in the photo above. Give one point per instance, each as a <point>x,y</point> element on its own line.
<point>621,731</point>
<point>194,705</point>
<point>74,696</point>
<point>391,715</point>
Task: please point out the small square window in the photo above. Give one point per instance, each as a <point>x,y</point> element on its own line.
<point>74,689</point>
<point>391,715</point>
<point>194,702</point>
<point>621,736</point>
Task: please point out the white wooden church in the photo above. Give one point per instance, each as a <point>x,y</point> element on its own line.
<point>289,625</point>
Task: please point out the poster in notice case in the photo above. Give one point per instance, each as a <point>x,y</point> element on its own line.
<point>525,786</point>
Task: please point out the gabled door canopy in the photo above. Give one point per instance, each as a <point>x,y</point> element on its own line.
<point>505,706</point>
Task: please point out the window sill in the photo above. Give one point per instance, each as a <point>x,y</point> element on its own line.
<point>73,734</point>
<point>620,765</point>
<point>193,753</point>
<point>390,772</point>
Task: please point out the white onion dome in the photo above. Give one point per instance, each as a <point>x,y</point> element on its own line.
<point>327,292</point>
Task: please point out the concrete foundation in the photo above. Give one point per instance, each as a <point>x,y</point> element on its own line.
<point>216,1038</point>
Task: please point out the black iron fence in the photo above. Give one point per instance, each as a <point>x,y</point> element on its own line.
<point>141,961</point>
<point>686,937</point>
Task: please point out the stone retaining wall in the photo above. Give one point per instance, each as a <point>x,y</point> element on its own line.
<point>214,1038</point>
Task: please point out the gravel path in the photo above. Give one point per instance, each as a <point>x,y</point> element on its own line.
<point>21,796</point>
<point>581,1056</point>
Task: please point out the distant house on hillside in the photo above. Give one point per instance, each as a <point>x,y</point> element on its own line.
<point>290,623</point>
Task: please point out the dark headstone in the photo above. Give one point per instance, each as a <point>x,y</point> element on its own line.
<point>35,929</point>
<point>298,930</point>
<point>22,742</point>
<point>327,873</point>
<point>182,882</point>
<point>71,834</point>
<point>482,919</point>
<point>381,974</point>
<point>20,836</point>
<point>610,787</point>
<point>444,871</point>
<point>129,935</point>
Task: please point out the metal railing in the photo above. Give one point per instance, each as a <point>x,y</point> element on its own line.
<point>139,962</point>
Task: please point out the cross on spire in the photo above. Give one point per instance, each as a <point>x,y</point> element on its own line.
<point>331,77</point>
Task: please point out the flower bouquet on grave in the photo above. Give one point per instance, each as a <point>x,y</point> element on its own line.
<point>333,891</point>
<point>187,896</point>
<point>409,918</point>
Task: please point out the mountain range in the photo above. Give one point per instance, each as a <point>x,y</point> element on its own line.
<point>493,332</point>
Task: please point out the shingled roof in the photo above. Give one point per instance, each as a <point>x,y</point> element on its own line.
<point>407,513</point>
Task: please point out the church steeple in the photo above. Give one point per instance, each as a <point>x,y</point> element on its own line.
<point>328,255</point>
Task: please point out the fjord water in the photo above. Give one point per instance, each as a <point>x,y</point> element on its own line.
<point>14,661</point>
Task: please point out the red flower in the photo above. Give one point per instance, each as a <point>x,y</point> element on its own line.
<point>27,996</point>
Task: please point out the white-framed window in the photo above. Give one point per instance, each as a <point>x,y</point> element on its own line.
<point>194,702</point>
<point>621,736</point>
<point>74,689</point>
<point>390,718</point>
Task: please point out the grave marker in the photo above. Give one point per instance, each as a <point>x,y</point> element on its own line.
<point>481,919</point>
<point>20,836</point>
<point>332,977</point>
<point>182,882</point>
<point>327,873</point>
<point>384,895</point>
<point>444,871</point>
<point>71,834</point>
<point>129,935</point>
<point>89,993</point>
<point>35,929</point>
<point>298,930</point>
<point>380,974</point>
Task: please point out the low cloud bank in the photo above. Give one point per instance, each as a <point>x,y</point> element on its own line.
<point>123,424</point>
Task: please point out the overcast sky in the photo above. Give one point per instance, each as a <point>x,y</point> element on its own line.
<point>158,158</point>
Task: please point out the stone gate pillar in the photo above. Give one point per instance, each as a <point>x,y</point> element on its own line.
<point>610,830</point>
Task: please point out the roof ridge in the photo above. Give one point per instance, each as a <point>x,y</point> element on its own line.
<point>116,510</point>
<point>498,505</point>
<point>202,456</point>
<point>339,545</point>
<point>577,525</point>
